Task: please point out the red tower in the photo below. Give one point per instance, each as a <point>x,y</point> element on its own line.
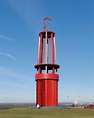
<point>46,76</point>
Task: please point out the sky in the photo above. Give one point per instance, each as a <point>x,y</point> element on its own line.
<point>20,24</point>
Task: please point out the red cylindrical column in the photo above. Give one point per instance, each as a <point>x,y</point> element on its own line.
<point>46,77</point>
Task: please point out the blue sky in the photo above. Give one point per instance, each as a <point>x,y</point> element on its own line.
<point>20,24</point>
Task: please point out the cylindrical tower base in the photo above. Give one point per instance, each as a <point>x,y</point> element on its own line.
<point>47,89</point>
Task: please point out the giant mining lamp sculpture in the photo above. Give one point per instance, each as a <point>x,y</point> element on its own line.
<point>46,76</point>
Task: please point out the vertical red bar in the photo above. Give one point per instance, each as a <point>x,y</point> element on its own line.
<point>46,92</point>
<point>40,49</point>
<point>56,93</point>
<point>52,48</point>
<point>46,48</point>
<point>52,51</point>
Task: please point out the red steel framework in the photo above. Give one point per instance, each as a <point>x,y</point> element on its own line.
<point>46,76</point>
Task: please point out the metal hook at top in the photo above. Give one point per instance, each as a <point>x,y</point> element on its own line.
<point>44,21</point>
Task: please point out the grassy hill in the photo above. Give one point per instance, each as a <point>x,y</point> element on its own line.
<point>31,113</point>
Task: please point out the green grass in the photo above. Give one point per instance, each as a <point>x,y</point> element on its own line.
<point>31,113</point>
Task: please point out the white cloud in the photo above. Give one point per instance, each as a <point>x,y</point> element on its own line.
<point>10,73</point>
<point>8,55</point>
<point>30,11</point>
<point>5,37</point>
<point>14,85</point>
<point>19,89</point>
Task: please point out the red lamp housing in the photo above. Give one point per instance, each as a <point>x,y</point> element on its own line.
<point>46,76</point>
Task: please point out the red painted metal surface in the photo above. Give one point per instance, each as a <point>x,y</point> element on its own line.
<point>44,21</point>
<point>46,76</point>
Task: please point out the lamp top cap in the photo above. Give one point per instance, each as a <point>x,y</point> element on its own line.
<point>43,33</point>
<point>44,28</point>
